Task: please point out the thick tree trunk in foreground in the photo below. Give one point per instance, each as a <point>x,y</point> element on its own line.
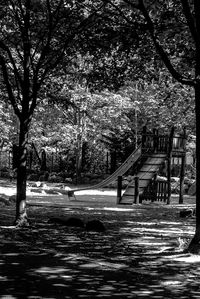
<point>194,246</point>
<point>21,214</point>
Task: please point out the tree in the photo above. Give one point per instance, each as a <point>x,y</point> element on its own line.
<point>157,103</point>
<point>35,37</point>
<point>88,114</point>
<point>174,29</point>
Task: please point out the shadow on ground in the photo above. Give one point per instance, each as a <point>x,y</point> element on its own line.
<point>139,256</point>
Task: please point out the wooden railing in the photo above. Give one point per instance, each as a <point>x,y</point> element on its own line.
<point>154,142</point>
<point>162,191</point>
<point>178,143</point>
<point>155,191</point>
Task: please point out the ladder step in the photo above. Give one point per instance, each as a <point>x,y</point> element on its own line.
<point>156,156</point>
<point>152,164</point>
<point>151,171</point>
<point>145,174</point>
<point>142,184</point>
<point>126,201</point>
<point>131,192</point>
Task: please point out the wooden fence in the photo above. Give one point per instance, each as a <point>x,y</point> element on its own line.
<point>154,142</point>
<point>155,191</point>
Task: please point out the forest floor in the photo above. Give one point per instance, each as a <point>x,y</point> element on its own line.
<point>140,255</point>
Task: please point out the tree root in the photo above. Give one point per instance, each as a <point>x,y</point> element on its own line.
<point>22,221</point>
<point>194,246</point>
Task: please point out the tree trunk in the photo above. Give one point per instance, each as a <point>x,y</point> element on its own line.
<point>21,214</point>
<point>194,246</point>
<point>182,175</point>
<point>79,158</point>
<point>113,161</point>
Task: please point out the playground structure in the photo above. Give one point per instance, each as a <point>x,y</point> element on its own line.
<point>157,150</point>
<point>144,164</point>
<point>146,160</point>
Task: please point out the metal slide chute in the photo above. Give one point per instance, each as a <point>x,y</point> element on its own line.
<point>128,163</point>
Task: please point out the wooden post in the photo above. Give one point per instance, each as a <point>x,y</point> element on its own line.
<point>113,160</point>
<point>136,200</point>
<point>169,179</point>
<point>169,164</point>
<point>182,172</point>
<point>155,185</point>
<point>119,189</point>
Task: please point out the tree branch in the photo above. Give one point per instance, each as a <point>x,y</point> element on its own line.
<point>120,11</point>
<point>16,14</point>
<point>26,52</point>
<point>176,75</point>
<point>7,50</point>
<point>197,17</point>
<point>82,25</point>
<point>190,21</point>
<point>8,86</point>
<point>35,89</point>
<point>57,57</point>
<point>51,27</point>
<point>49,36</point>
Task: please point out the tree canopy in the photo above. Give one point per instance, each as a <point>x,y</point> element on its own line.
<point>106,67</point>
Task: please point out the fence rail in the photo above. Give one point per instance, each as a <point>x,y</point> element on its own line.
<point>154,142</point>
<point>155,191</point>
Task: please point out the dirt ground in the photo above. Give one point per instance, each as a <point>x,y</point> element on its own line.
<point>140,255</point>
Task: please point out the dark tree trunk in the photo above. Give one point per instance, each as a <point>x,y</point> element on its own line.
<point>113,161</point>
<point>21,214</point>
<point>194,245</point>
<point>43,161</point>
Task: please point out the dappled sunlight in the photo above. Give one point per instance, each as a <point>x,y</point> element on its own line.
<point>4,278</point>
<point>8,226</point>
<point>97,192</point>
<point>138,256</point>
<point>188,259</point>
<point>7,191</point>
<point>51,270</point>
<point>167,231</point>
<point>116,209</point>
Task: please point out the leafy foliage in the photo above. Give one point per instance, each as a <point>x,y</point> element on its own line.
<point>93,69</point>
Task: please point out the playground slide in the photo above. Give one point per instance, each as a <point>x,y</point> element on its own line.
<point>145,174</point>
<point>120,171</point>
